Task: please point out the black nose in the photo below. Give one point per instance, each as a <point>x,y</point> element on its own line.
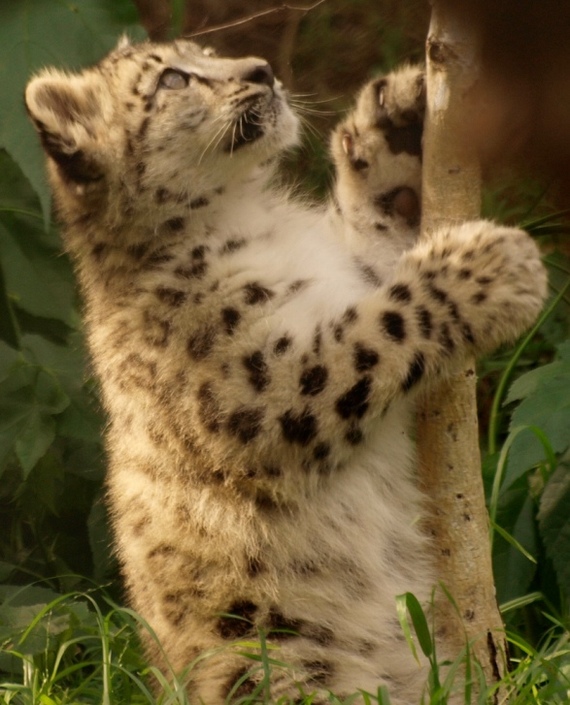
<point>263,73</point>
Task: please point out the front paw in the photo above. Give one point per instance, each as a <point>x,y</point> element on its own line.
<point>400,107</point>
<point>489,280</point>
<point>393,105</point>
<point>377,151</point>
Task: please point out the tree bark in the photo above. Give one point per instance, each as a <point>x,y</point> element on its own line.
<point>448,439</point>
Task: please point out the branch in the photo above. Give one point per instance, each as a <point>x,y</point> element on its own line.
<point>448,438</point>
<point>250,18</point>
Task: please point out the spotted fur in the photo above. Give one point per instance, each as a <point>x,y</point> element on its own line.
<point>258,358</point>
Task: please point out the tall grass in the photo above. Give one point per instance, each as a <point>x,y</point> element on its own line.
<point>81,648</point>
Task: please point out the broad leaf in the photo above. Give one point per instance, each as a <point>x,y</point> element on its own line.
<point>9,358</point>
<point>66,363</point>
<point>34,34</point>
<point>554,523</point>
<point>16,194</point>
<point>530,382</point>
<point>100,541</point>
<point>37,278</point>
<point>9,329</point>
<point>46,485</point>
<point>28,400</point>
<point>513,571</point>
<point>34,438</point>
<point>545,404</point>
<point>82,418</point>
<point>37,618</point>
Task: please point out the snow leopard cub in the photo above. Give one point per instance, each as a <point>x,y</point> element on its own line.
<point>257,358</point>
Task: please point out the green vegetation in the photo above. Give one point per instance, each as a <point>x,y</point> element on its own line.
<point>63,639</point>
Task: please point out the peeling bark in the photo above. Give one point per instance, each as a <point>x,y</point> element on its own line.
<point>448,439</point>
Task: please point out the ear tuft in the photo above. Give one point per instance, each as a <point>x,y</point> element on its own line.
<point>50,101</point>
<point>53,97</point>
<point>62,108</point>
<point>123,43</point>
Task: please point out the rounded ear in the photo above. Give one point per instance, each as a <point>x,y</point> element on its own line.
<point>63,109</point>
<point>123,43</point>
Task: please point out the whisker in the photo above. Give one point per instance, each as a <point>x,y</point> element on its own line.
<point>312,111</point>
<point>215,141</point>
<point>310,128</point>
<point>233,139</point>
<point>294,96</point>
<point>308,108</point>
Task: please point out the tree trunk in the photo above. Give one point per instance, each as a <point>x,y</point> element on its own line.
<point>448,440</point>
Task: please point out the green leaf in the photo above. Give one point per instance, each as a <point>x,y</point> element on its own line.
<point>67,363</point>
<point>81,420</point>
<point>9,357</point>
<point>18,595</point>
<point>46,482</point>
<point>31,37</point>
<point>383,696</point>
<point>14,409</point>
<point>554,524</point>
<point>49,393</point>
<point>531,382</point>
<point>512,570</point>
<point>521,437</point>
<point>420,623</point>
<point>29,397</point>
<point>36,619</point>
<point>408,604</point>
<point>522,601</point>
<point>546,317</point>
<point>545,405</point>
<point>100,541</point>
<point>46,700</point>
<point>34,438</point>
<point>9,330</point>
<point>6,570</point>
<point>16,194</point>
<point>37,277</point>
<point>514,543</point>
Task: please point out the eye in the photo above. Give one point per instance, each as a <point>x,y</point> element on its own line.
<point>173,79</point>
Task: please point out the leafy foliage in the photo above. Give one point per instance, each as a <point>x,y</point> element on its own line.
<point>532,504</point>
<point>50,449</point>
<point>30,37</point>
<point>65,649</point>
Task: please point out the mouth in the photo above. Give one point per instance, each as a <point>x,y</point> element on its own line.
<point>248,128</point>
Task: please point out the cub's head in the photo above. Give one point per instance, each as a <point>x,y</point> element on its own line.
<point>158,121</point>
